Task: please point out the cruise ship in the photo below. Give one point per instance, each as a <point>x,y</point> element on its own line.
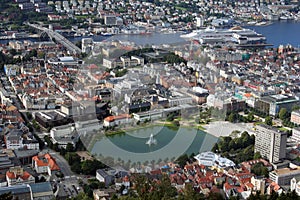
<point>235,34</point>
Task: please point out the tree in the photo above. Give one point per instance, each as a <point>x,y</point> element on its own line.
<point>259,169</point>
<point>215,148</point>
<point>190,193</point>
<point>181,160</point>
<point>250,117</point>
<point>256,156</point>
<point>269,121</point>
<point>232,117</point>
<point>283,114</point>
<point>41,54</point>
<point>69,147</point>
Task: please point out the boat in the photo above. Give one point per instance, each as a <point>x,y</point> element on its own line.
<point>151,140</point>
<point>106,34</point>
<point>251,23</point>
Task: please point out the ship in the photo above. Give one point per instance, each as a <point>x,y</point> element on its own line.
<point>151,140</point>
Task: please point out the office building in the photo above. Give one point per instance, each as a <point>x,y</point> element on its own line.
<point>270,142</point>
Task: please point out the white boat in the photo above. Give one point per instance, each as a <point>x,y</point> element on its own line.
<point>191,34</point>
<point>106,34</point>
<point>151,140</point>
<point>251,23</point>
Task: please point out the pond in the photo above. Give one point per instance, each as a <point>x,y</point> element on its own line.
<point>171,142</point>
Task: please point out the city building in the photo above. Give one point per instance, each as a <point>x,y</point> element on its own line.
<point>123,61</point>
<point>105,176</point>
<point>110,20</point>
<point>259,184</point>
<point>296,134</point>
<point>17,139</point>
<point>18,191</point>
<point>17,175</point>
<point>42,191</point>
<point>227,103</point>
<point>45,164</point>
<point>284,176</point>
<point>295,117</point>
<point>117,120</point>
<point>212,159</point>
<point>272,104</point>
<point>270,143</point>
<point>295,186</point>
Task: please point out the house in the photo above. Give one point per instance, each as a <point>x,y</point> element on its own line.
<point>45,164</point>
<point>16,176</point>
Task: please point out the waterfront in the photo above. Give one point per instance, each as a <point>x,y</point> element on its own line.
<point>281,32</point>
<point>286,33</point>
<point>152,39</point>
<point>171,143</point>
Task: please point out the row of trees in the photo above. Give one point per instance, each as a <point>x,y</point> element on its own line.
<point>235,117</point>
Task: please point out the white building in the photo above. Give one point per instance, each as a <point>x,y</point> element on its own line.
<point>199,21</point>
<point>284,176</point>
<point>270,143</point>
<point>117,120</point>
<point>259,184</point>
<point>296,134</point>
<point>295,186</point>
<point>212,159</point>
<point>16,176</point>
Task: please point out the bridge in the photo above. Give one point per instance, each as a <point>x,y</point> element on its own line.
<point>58,38</point>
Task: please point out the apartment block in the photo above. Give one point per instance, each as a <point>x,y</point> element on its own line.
<point>270,142</point>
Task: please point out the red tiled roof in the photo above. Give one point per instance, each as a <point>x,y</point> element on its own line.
<point>12,175</point>
<point>48,162</point>
<point>113,118</point>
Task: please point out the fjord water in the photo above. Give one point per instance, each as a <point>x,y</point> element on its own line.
<point>281,32</point>
<point>171,143</point>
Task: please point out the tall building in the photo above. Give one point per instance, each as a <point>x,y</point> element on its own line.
<point>270,142</point>
<point>199,21</point>
<point>110,20</point>
<point>295,117</point>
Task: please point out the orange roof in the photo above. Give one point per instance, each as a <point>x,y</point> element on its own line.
<point>118,117</point>
<point>247,95</point>
<point>275,186</point>
<point>250,185</point>
<point>50,162</point>
<point>12,175</point>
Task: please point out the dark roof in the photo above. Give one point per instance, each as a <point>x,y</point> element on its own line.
<point>41,187</point>
<point>25,153</point>
<point>16,189</point>
<point>102,173</point>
